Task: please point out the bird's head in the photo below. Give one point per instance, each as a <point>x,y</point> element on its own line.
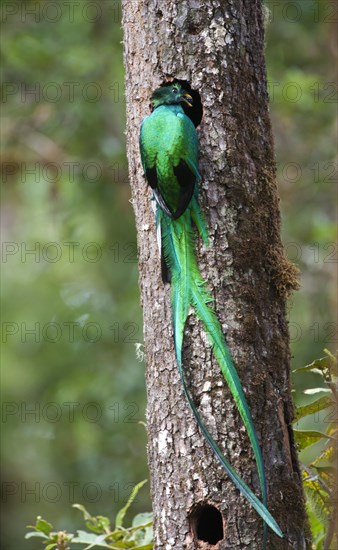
<point>171,95</point>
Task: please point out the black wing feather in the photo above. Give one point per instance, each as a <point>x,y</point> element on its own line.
<point>186,180</point>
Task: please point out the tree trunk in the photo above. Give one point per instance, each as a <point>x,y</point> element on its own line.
<point>218,47</point>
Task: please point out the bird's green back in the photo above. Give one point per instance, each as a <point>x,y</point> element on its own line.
<point>169,150</point>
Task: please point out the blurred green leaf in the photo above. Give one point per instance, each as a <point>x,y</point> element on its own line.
<point>313,408</point>
<point>313,391</point>
<point>86,514</point>
<point>325,365</point>
<point>121,514</point>
<point>304,438</point>
<point>91,540</point>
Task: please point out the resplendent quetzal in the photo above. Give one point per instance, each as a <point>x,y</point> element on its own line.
<point>169,153</point>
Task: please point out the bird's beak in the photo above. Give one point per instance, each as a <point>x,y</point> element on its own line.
<point>187,99</point>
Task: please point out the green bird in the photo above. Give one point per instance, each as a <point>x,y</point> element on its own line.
<point>169,154</point>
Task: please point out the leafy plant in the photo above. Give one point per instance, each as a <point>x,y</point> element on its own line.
<point>138,537</point>
<point>320,476</point>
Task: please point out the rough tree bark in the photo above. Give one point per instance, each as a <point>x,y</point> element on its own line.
<point>218,47</point>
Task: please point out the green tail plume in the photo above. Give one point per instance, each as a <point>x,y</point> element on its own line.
<point>188,288</point>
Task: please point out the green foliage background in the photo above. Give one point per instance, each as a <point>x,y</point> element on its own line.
<point>64,179</point>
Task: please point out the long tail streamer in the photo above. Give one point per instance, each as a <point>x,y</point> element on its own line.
<point>189,289</point>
